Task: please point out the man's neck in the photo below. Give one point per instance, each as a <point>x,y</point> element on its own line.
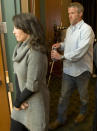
<point>77,22</point>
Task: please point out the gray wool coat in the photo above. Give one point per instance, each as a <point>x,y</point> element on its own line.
<point>30,66</point>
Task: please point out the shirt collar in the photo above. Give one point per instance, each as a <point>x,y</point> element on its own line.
<point>78,25</point>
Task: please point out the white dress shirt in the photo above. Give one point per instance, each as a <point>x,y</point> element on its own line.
<point>78,49</point>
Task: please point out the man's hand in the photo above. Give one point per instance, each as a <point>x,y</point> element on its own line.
<point>55,55</point>
<point>57,45</point>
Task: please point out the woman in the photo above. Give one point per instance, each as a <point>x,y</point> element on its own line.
<point>30,112</point>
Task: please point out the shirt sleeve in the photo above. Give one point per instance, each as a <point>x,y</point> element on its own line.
<point>86,39</point>
<point>62,45</point>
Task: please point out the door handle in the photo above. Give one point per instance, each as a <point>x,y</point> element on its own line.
<point>7,77</point>
<point>9,89</point>
<point>3,27</point>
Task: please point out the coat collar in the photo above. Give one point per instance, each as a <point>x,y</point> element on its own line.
<point>18,53</point>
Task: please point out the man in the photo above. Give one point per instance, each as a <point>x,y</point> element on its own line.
<point>77,63</point>
<point>94,128</point>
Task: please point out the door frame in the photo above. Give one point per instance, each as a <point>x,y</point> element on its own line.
<point>5,69</point>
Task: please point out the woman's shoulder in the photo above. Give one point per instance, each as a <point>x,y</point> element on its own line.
<point>34,54</point>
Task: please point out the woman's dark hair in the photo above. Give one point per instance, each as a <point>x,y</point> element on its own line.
<point>30,25</point>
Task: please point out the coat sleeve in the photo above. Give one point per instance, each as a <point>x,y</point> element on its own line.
<point>23,97</point>
<point>34,71</point>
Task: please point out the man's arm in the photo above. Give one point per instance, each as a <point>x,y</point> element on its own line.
<point>87,38</point>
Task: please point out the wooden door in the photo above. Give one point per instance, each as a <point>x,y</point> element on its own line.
<point>56,14</point>
<point>53,17</point>
<point>4,104</point>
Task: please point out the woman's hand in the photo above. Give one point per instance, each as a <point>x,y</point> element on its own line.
<point>22,107</point>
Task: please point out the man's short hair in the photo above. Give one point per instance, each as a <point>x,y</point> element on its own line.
<point>78,6</point>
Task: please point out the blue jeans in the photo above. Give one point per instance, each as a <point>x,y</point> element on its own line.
<point>69,83</point>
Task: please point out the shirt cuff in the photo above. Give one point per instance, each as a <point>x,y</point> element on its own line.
<point>62,57</point>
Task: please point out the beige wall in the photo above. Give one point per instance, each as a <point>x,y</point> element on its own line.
<point>31,6</point>
<point>24,6</point>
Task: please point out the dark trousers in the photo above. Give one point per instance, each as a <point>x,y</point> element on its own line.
<point>69,83</point>
<point>16,126</point>
<point>95,114</point>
